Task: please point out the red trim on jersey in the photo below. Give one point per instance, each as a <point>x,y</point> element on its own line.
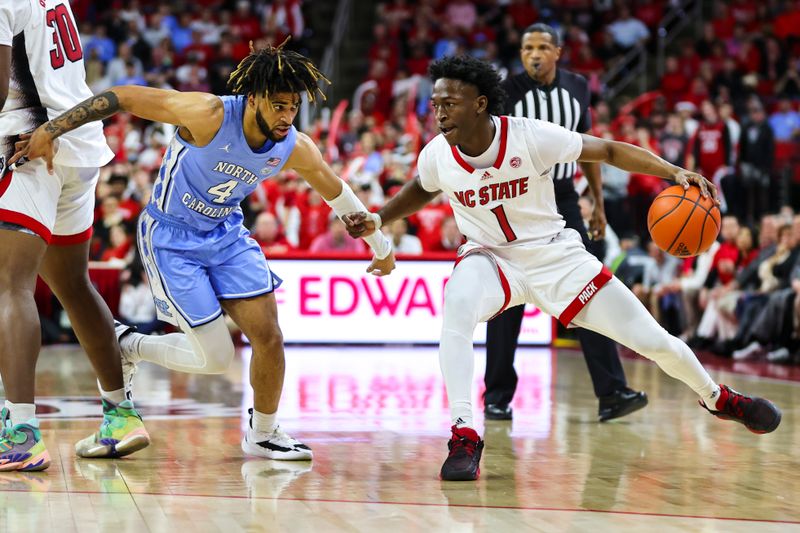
<point>575,307</point>
<point>6,182</point>
<point>26,222</point>
<point>503,142</point>
<point>460,160</point>
<point>503,279</point>
<point>68,240</point>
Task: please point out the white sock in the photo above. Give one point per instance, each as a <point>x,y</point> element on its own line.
<point>711,399</point>
<point>22,413</point>
<point>264,423</point>
<point>115,396</point>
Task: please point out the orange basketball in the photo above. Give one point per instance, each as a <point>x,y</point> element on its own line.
<point>682,222</point>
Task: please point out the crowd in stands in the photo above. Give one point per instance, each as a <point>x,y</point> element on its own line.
<point>726,105</point>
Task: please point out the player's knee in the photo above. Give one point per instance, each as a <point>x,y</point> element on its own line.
<point>219,357</point>
<point>72,286</point>
<point>459,304</point>
<point>654,345</point>
<point>269,339</point>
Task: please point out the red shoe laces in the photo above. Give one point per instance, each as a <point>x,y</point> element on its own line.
<point>462,443</point>
<point>734,400</point>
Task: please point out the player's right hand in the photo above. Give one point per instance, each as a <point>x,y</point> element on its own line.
<point>359,224</point>
<point>382,267</point>
<point>38,144</point>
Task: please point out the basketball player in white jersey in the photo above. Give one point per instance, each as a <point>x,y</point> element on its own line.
<point>496,171</point>
<point>45,227</point>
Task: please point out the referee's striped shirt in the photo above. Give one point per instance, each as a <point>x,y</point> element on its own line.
<point>564,102</point>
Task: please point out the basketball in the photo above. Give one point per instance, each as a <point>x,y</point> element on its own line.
<point>682,222</point>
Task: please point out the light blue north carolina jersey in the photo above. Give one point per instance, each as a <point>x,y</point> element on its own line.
<point>201,186</point>
<point>191,238</point>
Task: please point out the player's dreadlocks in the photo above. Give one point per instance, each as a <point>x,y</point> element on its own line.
<point>276,70</point>
<point>475,72</point>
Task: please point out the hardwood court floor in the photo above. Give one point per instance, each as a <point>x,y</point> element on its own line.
<point>377,421</point>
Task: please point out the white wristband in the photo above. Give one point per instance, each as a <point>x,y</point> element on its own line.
<point>376,218</point>
<point>347,202</point>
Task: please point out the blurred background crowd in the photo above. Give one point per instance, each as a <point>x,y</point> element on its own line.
<point>722,99</point>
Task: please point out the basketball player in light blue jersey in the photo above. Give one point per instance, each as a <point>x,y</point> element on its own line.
<point>198,255</point>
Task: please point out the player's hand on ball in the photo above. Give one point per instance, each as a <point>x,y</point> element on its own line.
<point>359,224</point>
<point>38,144</point>
<point>382,267</point>
<point>686,178</point>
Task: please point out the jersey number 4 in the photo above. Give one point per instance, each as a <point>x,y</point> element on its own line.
<point>65,37</point>
<point>500,213</point>
<point>222,191</point>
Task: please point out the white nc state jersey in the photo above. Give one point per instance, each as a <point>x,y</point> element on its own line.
<point>47,78</point>
<point>511,203</point>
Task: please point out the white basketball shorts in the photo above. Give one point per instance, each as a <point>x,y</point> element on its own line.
<point>58,207</point>
<point>559,277</point>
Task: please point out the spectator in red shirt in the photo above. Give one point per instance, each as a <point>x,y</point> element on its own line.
<point>650,12</point>
<point>337,240</point>
<point>201,51</point>
<point>450,238</point>
<point>245,25</point>
<point>523,13</point>
<point>419,60</point>
<point>710,147</point>
<point>267,233</point>
<point>313,217</point>
<point>673,83</point>
<point>119,246</point>
<point>727,257</point>
<point>787,24</point>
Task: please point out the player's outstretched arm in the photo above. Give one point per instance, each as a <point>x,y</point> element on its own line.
<point>198,114</point>
<point>307,160</point>
<point>410,199</point>
<point>635,159</point>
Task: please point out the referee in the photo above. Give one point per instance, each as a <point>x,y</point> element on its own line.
<point>549,93</point>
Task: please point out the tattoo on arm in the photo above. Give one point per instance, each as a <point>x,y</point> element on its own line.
<point>95,108</point>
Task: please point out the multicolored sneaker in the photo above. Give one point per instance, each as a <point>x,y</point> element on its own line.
<point>277,445</point>
<point>21,446</point>
<point>121,433</point>
<point>759,415</point>
<point>463,461</point>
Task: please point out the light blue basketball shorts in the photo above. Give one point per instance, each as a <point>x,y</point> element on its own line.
<point>190,271</point>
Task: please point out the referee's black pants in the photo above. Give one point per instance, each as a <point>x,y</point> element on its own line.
<point>503,331</point>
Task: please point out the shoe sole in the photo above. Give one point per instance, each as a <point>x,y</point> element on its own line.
<point>496,417</point>
<point>630,408</point>
<point>463,476</point>
<point>133,443</point>
<point>35,464</point>
<point>257,451</point>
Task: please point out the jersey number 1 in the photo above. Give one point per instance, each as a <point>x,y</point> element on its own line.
<point>504,225</point>
<point>65,37</point>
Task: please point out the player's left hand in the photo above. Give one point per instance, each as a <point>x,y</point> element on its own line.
<point>597,225</point>
<point>685,178</point>
<point>382,267</point>
<point>38,144</point>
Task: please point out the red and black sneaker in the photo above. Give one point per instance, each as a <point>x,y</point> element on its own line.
<point>757,414</point>
<point>463,461</point>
